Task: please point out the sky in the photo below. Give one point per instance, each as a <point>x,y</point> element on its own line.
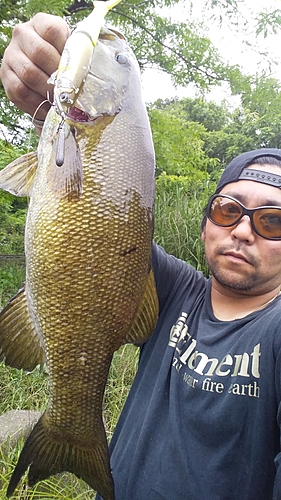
<point>230,44</point>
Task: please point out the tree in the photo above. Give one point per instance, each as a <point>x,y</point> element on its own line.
<point>179,48</point>
<point>195,133</point>
<point>178,143</point>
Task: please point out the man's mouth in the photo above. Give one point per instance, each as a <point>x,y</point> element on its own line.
<point>237,256</point>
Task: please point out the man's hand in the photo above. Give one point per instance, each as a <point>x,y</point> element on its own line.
<point>31,57</point>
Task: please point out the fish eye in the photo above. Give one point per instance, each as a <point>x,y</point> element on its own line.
<point>121,58</point>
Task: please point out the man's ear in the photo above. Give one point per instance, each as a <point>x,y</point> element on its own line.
<point>203,234</point>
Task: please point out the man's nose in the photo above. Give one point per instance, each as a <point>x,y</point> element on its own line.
<point>243,230</point>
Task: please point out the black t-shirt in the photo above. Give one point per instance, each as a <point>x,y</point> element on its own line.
<point>201,419</point>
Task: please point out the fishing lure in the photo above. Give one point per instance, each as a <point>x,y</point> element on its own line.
<point>75,64</point>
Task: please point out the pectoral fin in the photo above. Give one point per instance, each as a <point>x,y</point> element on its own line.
<point>147,314</point>
<point>20,346</point>
<point>18,176</point>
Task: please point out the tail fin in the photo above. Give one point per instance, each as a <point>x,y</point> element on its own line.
<point>47,456</point>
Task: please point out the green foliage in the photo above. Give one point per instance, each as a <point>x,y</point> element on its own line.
<point>178,144</point>
<point>121,375</point>
<point>12,223</point>
<point>12,209</point>
<point>268,22</point>
<point>8,153</point>
<point>196,134</point>
<point>14,11</point>
<point>181,49</point>
<point>12,275</point>
<point>211,115</point>
<point>174,151</point>
<point>178,215</point>
<point>22,391</point>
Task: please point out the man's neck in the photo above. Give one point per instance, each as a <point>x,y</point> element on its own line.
<point>229,305</point>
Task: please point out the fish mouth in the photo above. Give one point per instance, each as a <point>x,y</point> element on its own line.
<point>78,115</point>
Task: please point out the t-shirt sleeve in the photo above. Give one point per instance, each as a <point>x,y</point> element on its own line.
<point>166,270</point>
<point>169,271</point>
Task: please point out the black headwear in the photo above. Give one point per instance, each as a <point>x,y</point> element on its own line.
<point>236,170</point>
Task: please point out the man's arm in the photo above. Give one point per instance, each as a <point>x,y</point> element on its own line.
<point>31,57</point>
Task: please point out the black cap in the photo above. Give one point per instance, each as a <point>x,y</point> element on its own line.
<point>236,170</point>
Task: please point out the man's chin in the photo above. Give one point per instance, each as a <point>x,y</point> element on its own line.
<point>233,281</point>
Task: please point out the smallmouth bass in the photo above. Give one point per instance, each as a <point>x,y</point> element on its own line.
<point>89,284</point>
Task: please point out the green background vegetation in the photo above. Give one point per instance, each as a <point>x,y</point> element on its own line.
<point>194,139</point>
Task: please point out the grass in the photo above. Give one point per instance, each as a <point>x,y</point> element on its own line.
<point>178,216</point>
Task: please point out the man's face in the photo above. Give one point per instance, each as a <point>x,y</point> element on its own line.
<point>239,259</point>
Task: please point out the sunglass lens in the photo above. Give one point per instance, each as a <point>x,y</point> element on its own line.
<point>225,212</point>
<point>268,222</point>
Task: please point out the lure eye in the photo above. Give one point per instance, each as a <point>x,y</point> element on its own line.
<point>64,97</point>
<point>121,58</point>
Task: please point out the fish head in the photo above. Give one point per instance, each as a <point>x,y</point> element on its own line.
<point>113,75</point>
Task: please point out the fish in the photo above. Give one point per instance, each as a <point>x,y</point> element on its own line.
<point>89,284</point>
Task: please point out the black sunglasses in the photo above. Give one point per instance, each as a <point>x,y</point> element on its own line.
<point>225,211</point>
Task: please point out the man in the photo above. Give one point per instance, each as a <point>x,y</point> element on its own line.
<point>202,419</point>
